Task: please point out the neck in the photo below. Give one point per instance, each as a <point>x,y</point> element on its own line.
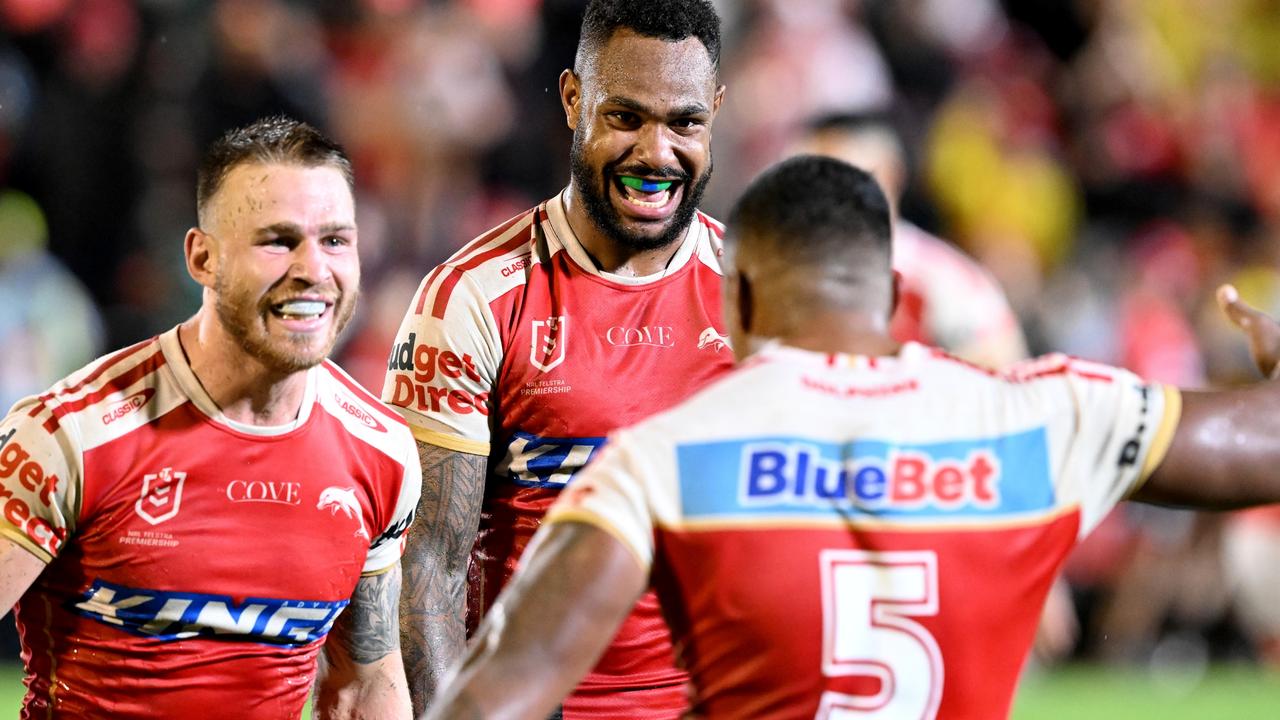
<point>609,254</point>
<point>849,333</point>
<point>243,388</point>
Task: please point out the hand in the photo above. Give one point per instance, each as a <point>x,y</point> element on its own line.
<point>1262,331</point>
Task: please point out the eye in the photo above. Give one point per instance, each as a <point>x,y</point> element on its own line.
<point>687,124</point>
<point>335,241</point>
<point>625,118</point>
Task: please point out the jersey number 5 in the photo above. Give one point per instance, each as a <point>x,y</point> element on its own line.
<point>868,599</point>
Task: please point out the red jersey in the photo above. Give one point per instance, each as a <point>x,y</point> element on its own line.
<point>863,538</point>
<point>195,564</point>
<point>518,348</point>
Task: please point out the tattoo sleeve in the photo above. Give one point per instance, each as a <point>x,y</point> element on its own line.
<point>367,631</point>
<point>438,548</point>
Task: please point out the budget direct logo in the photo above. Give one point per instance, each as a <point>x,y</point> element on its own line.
<point>128,406</point>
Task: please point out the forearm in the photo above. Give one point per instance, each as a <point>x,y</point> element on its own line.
<point>363,676</point>
<point>432,622</point>
<point>437,554</point>
<point>378,691</point>
<point>548,627</point>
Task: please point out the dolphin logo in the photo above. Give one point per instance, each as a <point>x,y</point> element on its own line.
<point>713,340</point>
<point>344,499</point>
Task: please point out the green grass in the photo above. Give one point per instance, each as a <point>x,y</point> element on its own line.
<point>1072,693</point>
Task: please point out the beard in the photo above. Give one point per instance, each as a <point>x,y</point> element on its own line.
<point>246,321</point>
<point>593,187</point>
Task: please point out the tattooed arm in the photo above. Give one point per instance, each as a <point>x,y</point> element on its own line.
<point>362,675</point>
<point>433,602</point>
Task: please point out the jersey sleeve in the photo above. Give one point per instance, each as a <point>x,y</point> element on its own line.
<point>388,546</point>
<point>613,493</point>
<point>39,482</point>
<point>444,363</point>
<point>1123,427</point>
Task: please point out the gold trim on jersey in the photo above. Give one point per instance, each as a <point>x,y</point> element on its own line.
<point>756,522</point>
<point>1164,433</point>
<point>25,543</point>
<point>450,442</point>
<point>383,571</point>
<point>588,517</point>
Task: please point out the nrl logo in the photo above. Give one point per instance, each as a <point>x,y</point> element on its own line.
<point>547,343</point>
<point>712,340</point>
<point>344,499</point>
<point>161,496</point>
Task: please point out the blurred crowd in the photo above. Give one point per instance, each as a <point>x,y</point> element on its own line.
<point>1109,161</point>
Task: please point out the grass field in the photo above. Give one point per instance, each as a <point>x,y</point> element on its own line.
<point>1073,693</point>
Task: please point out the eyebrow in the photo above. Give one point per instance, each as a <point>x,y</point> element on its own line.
<point>288,228</point>
<point>696,108</point>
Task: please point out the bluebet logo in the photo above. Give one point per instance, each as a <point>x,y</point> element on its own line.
<point>775,472</point>
<point>536,461</point>
<point>178,616</point>
<point>802,477</point>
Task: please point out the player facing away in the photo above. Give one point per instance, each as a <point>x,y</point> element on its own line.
<point>188,521</point>
<point>843,527</point>
<point>525,349</point>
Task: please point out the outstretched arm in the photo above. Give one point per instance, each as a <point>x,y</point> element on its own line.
<point>433,601</point>
<point>576,585</point>
<point>1226,450</point>
<point>363,676</point>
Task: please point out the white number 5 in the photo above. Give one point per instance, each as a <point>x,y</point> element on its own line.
<point>866,598</point>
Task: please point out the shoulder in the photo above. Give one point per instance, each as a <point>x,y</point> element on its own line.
<point>105,392</point>
<point>360,412</point>
<point>485,268</point>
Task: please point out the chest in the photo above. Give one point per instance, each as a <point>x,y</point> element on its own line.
<point>182,505</point>
<point>583,357</point>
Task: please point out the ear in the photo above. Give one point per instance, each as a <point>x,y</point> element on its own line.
<point>746,302</point>
<point>570,97</point>
<point>896,292</point>
<point>201,253</point>
<point>716,101</point>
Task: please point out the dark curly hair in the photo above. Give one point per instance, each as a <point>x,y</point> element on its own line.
<point>671,20</point>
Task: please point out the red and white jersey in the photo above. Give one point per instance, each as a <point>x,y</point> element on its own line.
<point>851,537</point>
<point>947,299</point>
<point>195,564</point>
<point>518,348</point>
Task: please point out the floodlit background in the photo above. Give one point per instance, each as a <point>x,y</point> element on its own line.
<point>1109,161</point>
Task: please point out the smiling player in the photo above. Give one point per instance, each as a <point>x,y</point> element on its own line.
<point>596,308</point>
<point>186,520</point>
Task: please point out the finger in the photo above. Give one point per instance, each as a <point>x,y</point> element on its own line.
<point>1262,332</point>
<point>1237,310</point>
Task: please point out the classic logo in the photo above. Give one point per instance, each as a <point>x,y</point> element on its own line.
<point>128,405</point>
<point>547,343</point>
<point>358,413</point>
<point>655,335</point>
<point>335,498</point>
<point>161,496</point>
<point>264,491</point>
<point>710,339</point>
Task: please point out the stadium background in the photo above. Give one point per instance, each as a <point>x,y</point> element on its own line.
<point>1110,161</point>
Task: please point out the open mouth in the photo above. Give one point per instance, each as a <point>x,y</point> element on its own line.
<point>299,309</point>
<point>647,196</point>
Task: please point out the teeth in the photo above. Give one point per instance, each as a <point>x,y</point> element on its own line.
<point>301,308</point>
<point>663,197</point>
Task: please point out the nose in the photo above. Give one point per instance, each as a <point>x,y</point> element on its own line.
<point>654,146</point>
<point>311,263</point>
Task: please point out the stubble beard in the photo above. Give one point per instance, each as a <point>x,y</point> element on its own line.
<point>238,313</point>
